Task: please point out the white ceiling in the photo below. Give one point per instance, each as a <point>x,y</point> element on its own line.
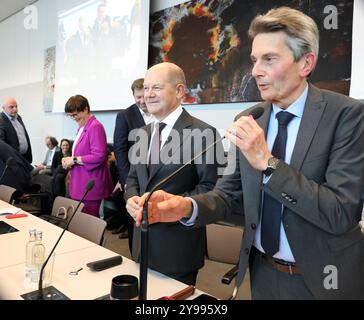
<point>10,7</point>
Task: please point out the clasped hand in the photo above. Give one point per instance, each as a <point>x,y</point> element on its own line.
<point>67,162</point>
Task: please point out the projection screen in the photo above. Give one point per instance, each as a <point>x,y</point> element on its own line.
<point>102,47</point>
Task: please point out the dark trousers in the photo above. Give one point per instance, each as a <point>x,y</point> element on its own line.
<point>267,283</point>
<point>58,183</point>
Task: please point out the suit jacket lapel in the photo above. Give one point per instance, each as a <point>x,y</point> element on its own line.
<point>142,169</point>
<point>138,117</point>
<point>11,127</point>
<point>314,108</point>
<point>250,177</point>
<point>83,134</point>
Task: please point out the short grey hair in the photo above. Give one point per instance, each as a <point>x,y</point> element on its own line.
<point>301,30</point>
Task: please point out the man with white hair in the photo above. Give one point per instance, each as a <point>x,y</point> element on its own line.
<point>12,129</point>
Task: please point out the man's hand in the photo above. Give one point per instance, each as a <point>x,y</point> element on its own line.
<point>134,206</point>
<point>249,137</point>
<point>164,207</point>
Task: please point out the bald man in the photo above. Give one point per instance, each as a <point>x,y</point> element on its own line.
<point>12,129</point>
<point>174,249</point>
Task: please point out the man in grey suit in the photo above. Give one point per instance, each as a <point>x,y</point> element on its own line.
<point>305,153</point>
<point>12,129</point>
<point>174,249</point>
<point>46,166</point>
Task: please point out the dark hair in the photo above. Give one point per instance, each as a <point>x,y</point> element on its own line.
<point>102,4</point>
<point>138,84</point>
<point>53,140</point>
<point>69,144</point>
<point>77,103</point>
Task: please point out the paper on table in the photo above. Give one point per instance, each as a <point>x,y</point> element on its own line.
<point>10,210</point>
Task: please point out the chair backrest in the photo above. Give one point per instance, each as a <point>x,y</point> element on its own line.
<point>6,193</point>
<point>88,227</point>
<point>223,242</point>
<point>64,207</point>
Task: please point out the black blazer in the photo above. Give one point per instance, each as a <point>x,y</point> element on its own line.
<point>57,160</point>
<point>126,121</point>
<point>173,247</point>
<point>9,136</point>
<point>17,175</point>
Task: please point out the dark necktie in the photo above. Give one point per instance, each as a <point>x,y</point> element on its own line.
<point>271,213</point>
<point>155,146</point>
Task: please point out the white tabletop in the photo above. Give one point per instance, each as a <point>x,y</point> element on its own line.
<point>72,253</point>
<point>88,284</point>
<point>12,245</point>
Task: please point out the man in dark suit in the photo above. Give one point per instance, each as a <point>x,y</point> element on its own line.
<point>174,249</point>
<point>134,117</point>
<point>304,154</point>
<point>12,129</point>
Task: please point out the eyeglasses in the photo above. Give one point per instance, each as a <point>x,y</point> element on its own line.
<point>72,115</point>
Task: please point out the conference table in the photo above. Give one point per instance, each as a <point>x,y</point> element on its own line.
<point>72,253</point>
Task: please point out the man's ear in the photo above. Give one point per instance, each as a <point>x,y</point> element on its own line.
<point>307,64</point>
<point>180,90</point>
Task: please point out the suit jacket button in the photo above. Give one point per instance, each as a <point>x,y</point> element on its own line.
<point>253,226</point>
<point>287,197</point>
<point>294,201</point>
<point>246,250</point>
<point>283,194</point>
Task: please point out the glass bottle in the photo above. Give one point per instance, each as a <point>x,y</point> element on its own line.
<point>28,254</point>
<point>38,256</point>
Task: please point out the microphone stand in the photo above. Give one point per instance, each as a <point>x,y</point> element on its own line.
<point>39,292</point>
<point>143,272</point>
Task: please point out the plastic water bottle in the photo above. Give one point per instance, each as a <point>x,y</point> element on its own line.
<point>38,256</point>
<point>28,255</point>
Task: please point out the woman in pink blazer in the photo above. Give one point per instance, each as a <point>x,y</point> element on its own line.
<point>89,156</point>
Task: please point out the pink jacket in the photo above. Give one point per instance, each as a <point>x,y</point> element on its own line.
<point>92,147</point>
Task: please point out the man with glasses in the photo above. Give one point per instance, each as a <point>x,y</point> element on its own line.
<point>12,129</point>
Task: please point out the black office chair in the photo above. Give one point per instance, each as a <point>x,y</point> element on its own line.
<point>33,200</point>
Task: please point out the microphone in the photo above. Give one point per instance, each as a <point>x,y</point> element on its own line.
<point>143,272</point>
<point>10,162</point>
<point>39,292</point>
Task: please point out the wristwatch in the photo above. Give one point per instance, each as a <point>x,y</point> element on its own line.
<point>272,165</point>
<point>74,160</point>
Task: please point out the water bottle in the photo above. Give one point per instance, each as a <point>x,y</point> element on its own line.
<point>28,255</point>
<point>38,257</point>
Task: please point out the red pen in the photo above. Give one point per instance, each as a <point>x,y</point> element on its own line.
<point>180,295</point>
<point>13,216</point>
